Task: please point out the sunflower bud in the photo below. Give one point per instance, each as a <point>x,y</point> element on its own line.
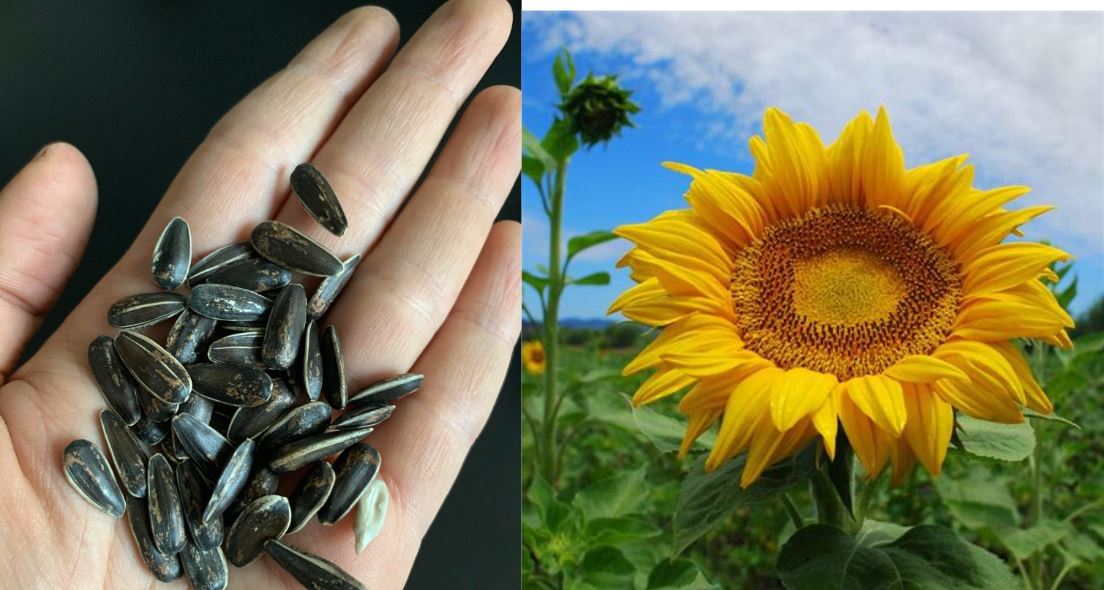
<point>597,109</point>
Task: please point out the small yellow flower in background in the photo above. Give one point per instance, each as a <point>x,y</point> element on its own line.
<point>532,357</point>
<point>834,287</point>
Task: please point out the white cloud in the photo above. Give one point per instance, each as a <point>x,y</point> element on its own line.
<point>1021,92</point>
<point>534,245</point>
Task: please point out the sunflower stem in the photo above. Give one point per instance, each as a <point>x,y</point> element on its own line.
<point>829,505</point>
<point>791,509</point>
<point>551,327</point>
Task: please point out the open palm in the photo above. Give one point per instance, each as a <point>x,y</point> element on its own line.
<point>437,292</point>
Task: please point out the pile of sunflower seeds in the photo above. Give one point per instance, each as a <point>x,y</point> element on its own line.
<point>242,393</point>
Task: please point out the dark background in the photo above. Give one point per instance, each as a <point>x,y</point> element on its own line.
<point>136,85</point>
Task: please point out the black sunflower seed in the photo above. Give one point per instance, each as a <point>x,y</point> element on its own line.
<point>310,370</point>
<point>306,420</point>
<point>249,422</point>
<point>262,520</point>
<point>285,327</point>
<point>188,334</point>
<point>154,409</point>
<point>293,250</point>
<point>199,407</point>
<point>330,288</point>
<point>116,384</point>
<point>201,443</point>
<point>255,274</point>
<point>205,568</point>
<point>311,493</point>
<point>244,326</point>
<point>164,567</point>
<point>231,384</point>
<point>333,370</point>
<point>238,348</point>
<point>166,516</point>
<point>360,418</point>
<point>172,255</point>
<point>194,492</point>
<point>144,309</point>
<point>299,453</point>
<point>386,391</point>
<point>219,259</point>
<point>87,470</point>
<point>153,367</point>
<point>318,198</point>
<point>150,432</point>
<point>263,482</point>
<point>231,481</point>
<point>354,469</point>
<point>232,304</point>
<point>128,454</point>
<point>310,570</point>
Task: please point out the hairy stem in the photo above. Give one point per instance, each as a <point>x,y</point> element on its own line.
<point>551,327</point>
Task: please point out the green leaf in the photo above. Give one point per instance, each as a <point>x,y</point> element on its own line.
<point>531,145</point>
<point>875,532</point>
<point>979,501</point>
<point>1052,417</point>
<point>541,495</point>
<point>926,557</point>
<point>1066,295</point>
<point>615,496</point>
<point>677,574</point>
<point>616,531</point>
<point>593,279</point>
<point>1083,547</point>
<point>1004,442</point>
<point>563,69</point>
<point>1024,543</point>
<point>664,431</point>
<point>579,243</point>
<point>559,143</point>
<point>706,499</point>
<point>606,567</point>
<point>533,168</point>
<point>537,282</point>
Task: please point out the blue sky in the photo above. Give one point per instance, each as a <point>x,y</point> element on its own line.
<point>1020,92</point>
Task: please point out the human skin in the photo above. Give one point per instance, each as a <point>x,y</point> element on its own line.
<point>437,292</point>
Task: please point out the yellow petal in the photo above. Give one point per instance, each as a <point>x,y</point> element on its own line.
<point>826,420</point>
<point>1008,265</point>
<point>696,426</point>
<point>1036,398</point>
<point>663,383</point>
<point>768,446</point>
<point>881,399</point>
<point>869,444</point>
<point>883,165</point>
<point>699,364</point>
<point>903,460</point>
<point>797,393</point>
<point>929,427</point>
<point>747,405</point>
<point>919,368</point>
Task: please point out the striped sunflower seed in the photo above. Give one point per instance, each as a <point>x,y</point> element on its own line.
<point>166,515</point>
<point>199,407</point>
<point>285,328</point>
<point>311,493</point>
<point>118,387</point>
<point>249,422</point>
<point>150,432</point>
<point>371,513</point>
<point>331,287</point>
<point>310,367</point>
<point>231,481</point>
<point>355,470</point>
<point>154,409</point>
<point>144,309</point>
<point>164,567</point>
<point>262,520</point>
<point>201,443</point>
<point>172,255</point>
<point>232,304</point>
<point>238,348</point>
<point>128,454</point>
<point>153,367</point>
<point>231,384</point>
<point>300,453</point>
<point>293,250</point>
<point>263,482</point>
<point>306,420</point>
<point>194,492</point>
<point>188,334</point>
<point>87,470</point>
<point>206,569</point>
<point>219,259</point>
<point>360,418</point>
<point>255,274</point>
<point>386,391</point>
<point>310,570</point>
<point>318,198</point>
<point>333,370</point>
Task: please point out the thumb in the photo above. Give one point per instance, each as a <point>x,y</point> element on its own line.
<point>46,214</point>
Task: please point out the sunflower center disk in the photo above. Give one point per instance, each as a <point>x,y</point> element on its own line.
<point>844,290</point>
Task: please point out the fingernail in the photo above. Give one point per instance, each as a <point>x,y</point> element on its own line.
<point>42,152</point>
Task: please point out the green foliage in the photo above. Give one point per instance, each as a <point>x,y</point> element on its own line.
<point>1004,442</point>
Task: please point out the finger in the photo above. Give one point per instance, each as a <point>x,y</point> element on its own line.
<point>405,286</point>
<point>46,214</point>
<point>424,444</point>
<point>381,148</point>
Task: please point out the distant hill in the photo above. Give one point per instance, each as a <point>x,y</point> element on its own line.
<point>580,323</point>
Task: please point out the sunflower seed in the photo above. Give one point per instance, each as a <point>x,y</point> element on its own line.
<point>249,422</point>
<point>318,198</point>
<point>150,432</point>
<point>153,367</point>
<point>306,420</point>
<point>172,255</point>
<point>262,520</point>
<point>166,517</point>
<point>236,327</point>
<point>311,493</point>
<point>219,259</point>
<point>194,491</point>
<point>371,513</point>
<point>164,567</point>
<point>293,250</point>
<point>310,372</point>
<point>87,470</point>
<point>202,443</point>
<point>334,385</point>
<point>232,304</point>
<point>116,384</point>
<point>299,453</point>
<point>144,309</point>
<point>263,482</point>
<point>231,384</point>
<point>387,391</point>
<point>188,333</point>
<point>128,454</point>
<point>355,469</point>
<point>285,328</point>
<point>367,416</point>
<point>231,482</point>
<point>199,407</point>
<point>239,348</point>
<point>310,570</point>
<point>205,568</point>
<point>331,287</point>
<point>154,409</point>
<point>255,274</point>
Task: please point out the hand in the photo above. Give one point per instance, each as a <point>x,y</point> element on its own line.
<point>438,290</point>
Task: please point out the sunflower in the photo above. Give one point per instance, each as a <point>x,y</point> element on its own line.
<point>532,357</point>
<point>834,287</point>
